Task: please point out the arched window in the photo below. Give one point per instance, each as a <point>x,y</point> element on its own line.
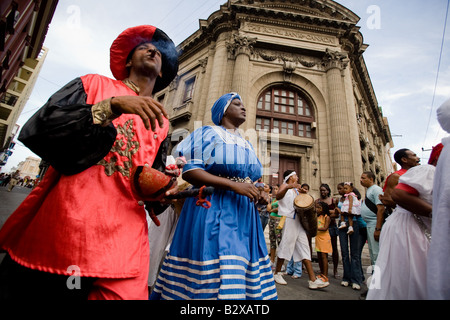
<point>285,109</point>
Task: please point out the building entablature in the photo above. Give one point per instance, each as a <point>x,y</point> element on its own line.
<point>322,8</point>
<point>326,23</point>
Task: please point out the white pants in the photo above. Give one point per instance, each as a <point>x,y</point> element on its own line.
<point>294,242</point>
<point>160,239</point>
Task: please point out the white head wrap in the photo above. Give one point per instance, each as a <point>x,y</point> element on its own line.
<point>290,175</point>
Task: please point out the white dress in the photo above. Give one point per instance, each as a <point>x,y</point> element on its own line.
<point>401,268</point>
<point>159,239</point>
<point>294,241</point>
<point>218,253</point>
<point>356,205</point>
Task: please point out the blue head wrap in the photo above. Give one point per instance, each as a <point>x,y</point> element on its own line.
<point>221,105</point>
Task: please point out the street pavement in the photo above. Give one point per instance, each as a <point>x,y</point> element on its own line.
<point>9,201</point>
<point>296,289</point>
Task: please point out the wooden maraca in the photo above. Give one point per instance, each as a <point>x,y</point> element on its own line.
<point>149,184</point>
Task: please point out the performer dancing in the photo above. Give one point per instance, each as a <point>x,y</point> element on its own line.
<point>82,220</point>
<point>220,252</point>
<point>405,238</point>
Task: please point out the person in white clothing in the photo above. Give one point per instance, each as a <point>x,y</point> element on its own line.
<point>400,272</point>
<point>160,238</point>
<point>438,264</point>
<point>294,242</point>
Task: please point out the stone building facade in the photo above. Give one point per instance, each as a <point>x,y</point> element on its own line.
<point>23,27</point>
<point>299,67</point>
<point>29,168</point>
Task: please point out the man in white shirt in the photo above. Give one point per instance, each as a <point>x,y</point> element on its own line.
<point>294,242</point>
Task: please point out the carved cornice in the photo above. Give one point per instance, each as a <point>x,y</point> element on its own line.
<point>203,64</point>
<point>288,68</point>
<point>281,56</point>
<point>303,11</point>
<point>181,113</point>
<point>240,45</point>
<point>174,84</point>
<point>322,8</point>
<point>335,59</point>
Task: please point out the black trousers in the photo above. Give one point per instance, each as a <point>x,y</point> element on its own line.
<point>20,283</point>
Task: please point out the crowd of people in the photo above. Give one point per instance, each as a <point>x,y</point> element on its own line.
<point>10,180</point>
<point>99,132</point>
<point>289,241</point>
<point>395,222</point>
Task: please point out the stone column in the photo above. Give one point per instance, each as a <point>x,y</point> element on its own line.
<point>241,49</point>
<point>334,63</point>
<point>207,65</point>
<point>217,78</point>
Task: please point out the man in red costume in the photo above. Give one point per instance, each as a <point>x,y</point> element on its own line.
<point>81,233</point>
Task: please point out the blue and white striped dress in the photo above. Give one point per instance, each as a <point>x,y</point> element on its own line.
<point>220,252</point>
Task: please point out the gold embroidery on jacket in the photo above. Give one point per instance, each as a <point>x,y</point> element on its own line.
<point>124,147</point>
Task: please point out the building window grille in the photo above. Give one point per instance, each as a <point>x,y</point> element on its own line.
<point>9,99</point>
<point>161,98</point>
<point>285,110</point>
<point>12,18</point>
<point>189,89</point>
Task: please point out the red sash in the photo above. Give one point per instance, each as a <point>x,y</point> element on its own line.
<point>399,172</point>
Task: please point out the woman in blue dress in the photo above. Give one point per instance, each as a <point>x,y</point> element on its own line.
<point>220,252</point>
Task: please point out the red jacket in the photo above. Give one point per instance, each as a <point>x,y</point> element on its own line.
<point>89,219</point>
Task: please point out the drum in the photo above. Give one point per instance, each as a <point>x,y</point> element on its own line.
<point>304,207</point>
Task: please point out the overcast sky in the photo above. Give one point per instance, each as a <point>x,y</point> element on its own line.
<point>404,38</point>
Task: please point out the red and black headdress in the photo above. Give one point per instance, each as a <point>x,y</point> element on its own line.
<point>132,37</point>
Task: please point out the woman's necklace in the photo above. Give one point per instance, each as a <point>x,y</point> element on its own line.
<point>232,131</point>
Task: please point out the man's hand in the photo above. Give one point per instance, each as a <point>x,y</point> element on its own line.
<point>171,191</point>
<point>303,190</point>
<point>376,235</point>
<point>147,108</point>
